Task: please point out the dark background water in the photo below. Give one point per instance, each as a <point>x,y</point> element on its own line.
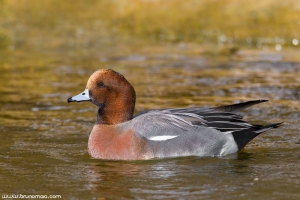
<point>49,50</point>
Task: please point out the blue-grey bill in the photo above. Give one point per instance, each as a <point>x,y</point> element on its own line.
<point>84,96</point>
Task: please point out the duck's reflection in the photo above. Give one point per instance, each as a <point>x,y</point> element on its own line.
<point>167,177</point>
<point>112,179</point>
<point>115,179</point>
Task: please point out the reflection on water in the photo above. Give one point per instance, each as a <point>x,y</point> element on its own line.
<point>191,177</point>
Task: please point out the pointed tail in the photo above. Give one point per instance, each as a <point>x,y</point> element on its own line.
<point>243,137</point>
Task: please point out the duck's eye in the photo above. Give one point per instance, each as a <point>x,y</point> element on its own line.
<point>100,84</point>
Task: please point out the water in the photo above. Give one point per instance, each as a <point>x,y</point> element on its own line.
<point>44,139</point>
<point>206,53</point>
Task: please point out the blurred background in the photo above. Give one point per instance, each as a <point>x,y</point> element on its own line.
<point>176,54</point>
<point>82,28</point>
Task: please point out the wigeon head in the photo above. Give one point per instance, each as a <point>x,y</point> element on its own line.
<point>112,93</point>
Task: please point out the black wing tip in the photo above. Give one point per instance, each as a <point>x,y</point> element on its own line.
<point>276,125</point>
<point>257,100</point>
<point>239,106</point>
<point>262,100</point>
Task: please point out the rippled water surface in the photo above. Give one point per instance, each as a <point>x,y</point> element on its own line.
<point>44,139</point>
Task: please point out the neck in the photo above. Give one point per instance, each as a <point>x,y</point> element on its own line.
<point>116,112</point>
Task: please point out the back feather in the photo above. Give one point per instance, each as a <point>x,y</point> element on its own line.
<point>223,118</point>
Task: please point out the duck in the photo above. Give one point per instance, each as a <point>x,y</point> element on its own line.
<point>118,134</point>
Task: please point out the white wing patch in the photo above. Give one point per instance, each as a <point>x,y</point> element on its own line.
<point>163,137</point>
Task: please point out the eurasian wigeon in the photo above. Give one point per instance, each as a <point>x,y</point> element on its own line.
<point>161,133</point>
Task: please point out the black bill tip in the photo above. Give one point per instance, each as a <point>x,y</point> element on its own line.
<point>70,100</point>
